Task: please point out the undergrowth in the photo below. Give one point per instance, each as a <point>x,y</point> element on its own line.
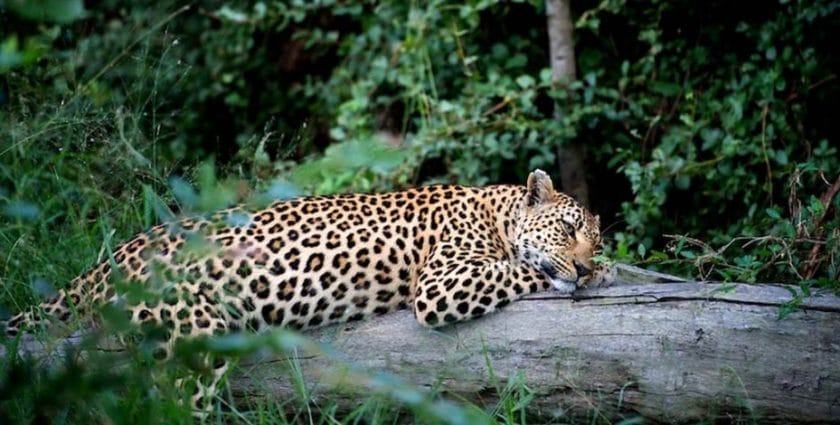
<point>111,122</point>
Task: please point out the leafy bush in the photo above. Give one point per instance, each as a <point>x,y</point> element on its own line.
<point>709,127</point>
<point>711,144</point>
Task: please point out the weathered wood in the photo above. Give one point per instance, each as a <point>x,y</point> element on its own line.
<point>677,351</point>
<point>669,352</point>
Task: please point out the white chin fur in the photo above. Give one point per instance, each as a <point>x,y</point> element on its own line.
<point>563,286</point>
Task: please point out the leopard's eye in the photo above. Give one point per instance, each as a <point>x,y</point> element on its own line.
<point>569,228</point>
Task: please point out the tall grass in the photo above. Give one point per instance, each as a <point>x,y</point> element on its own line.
<point>86,384</point>
<point>78,177</point>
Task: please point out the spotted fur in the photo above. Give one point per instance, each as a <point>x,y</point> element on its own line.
<point>449,253</point>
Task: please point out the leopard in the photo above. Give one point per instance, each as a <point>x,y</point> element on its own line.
<point>449,253</point>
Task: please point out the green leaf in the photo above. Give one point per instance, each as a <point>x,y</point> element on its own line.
<point>231,15</point>
<point>55,11</point>
<point>688,254</point>
<point>781,157</point>
<point>184,191</point>
<point>682,182</point>
<point>281,189</point>
<point>10,56</point>
<point>665,88</point>
<point>525,81</point>
<point>231,344</point>
<point>815,206</point>
<point>22,210</point>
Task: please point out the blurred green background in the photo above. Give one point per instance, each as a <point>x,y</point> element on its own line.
<point>709,128</point>
<point>710,144</point>
<point>707,120</point>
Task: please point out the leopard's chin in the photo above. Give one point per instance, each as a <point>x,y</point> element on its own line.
<point>564,286</point>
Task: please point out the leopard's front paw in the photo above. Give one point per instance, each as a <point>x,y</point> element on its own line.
<point>563,286</point>
<point>603,275</point>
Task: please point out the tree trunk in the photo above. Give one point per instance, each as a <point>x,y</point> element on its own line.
<point>571,155</point>
<point>561,42</point>
<point>675,351</point>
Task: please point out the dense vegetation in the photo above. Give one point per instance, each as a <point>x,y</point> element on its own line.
<point>711,146</point>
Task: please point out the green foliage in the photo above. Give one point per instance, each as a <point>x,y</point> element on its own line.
<point>712,122</point>
<point>728,138</point>
<point>712,146</point>
<point>91,385</point>
<point>353,164</point>
<point>706,143</point>
<point>17,50</point>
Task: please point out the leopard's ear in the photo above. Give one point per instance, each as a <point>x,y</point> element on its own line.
<point>597,220</point>
<point>540,188</point>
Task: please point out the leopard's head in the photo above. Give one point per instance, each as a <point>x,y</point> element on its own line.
<point>556,235</point>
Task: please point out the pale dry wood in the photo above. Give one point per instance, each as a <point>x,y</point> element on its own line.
<point>678,351</point>
<point>671,352</point>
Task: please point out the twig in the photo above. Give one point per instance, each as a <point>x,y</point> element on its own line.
<point>497,107</point>
<point>460,49</point>
<point>794,96</point>
<point>810,265</point>
<point>795,206</point>
<point>764,150</point>
<point>710,254</point>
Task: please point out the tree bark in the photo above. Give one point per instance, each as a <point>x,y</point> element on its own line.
<point>571,155</point>
<point>561,42</point>
<point>671,352</point>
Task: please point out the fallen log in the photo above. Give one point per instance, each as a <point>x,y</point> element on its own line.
<point>673,352</point>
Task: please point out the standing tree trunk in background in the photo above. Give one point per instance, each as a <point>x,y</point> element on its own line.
<point>570,156</point>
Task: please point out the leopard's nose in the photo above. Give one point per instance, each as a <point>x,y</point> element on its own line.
<point>581,270</point>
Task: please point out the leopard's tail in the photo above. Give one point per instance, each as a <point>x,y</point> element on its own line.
<point>66,304</point>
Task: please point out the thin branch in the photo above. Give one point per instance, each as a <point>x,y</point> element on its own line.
<point>764,150</point>
<point>812,263</point>
<point>794,96</point>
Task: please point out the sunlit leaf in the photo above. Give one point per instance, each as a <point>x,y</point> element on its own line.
<point>22,210</point>
<point>57,11</point>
